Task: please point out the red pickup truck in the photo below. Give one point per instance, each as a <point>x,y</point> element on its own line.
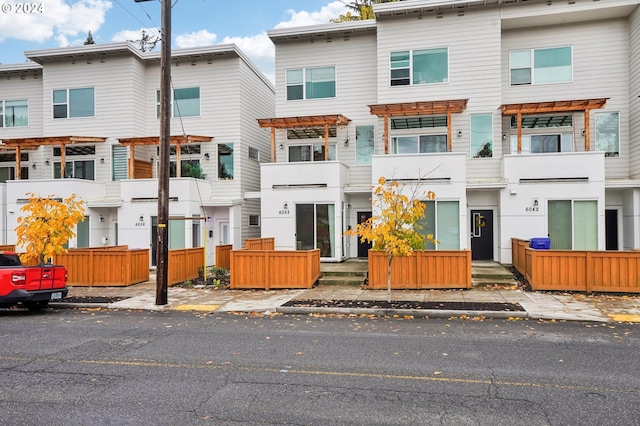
<point>31,286</point>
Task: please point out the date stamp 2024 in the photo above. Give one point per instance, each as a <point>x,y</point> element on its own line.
<point>22,8</point>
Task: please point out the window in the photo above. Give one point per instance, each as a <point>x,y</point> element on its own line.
<point>82,169</point>
<point>442,220</point>
<point>427,66</point>
<point>538,144</point>
<point>119,164</point>
<point>608,133</point>
<point>186,102</point>
<point>481,135</point>
<point>188,168</point>
<point>541,66</point>
<point>73,103</point>
<point>418,144</point>
<point>364,145</point>
<point>311,83</point>
<point>254,220</point>
<point>14,113</point>
<point>310,152</point>
<point>225,161</point>
<point>573,225</point>
<point>254,153</point>
<point>9,173</point>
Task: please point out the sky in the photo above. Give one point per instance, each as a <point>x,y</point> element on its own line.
<point>62,23</point>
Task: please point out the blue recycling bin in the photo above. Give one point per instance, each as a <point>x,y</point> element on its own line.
<point>540,243</point>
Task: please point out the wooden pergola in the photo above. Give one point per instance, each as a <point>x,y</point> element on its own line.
<point>552,107</point>
<point>323,121</point>
<point>34,143</point>
<point>416,109</point>
<point>155,140</point>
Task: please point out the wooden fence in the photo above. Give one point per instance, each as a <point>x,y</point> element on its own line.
<point>430,269</point>
<point>8,247</point>
<point>577,270</point>
<point>268,269</point>
<point>107,266</point>
<point>223,256</point>
<point>185,264</point>
<point>260,243</point>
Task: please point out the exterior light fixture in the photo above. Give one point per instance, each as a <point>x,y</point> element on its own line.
<point>206,155</point>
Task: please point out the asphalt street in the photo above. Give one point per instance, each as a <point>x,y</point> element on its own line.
<point>117,367</point>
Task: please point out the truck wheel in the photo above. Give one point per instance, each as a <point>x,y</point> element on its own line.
<point>37,306</point>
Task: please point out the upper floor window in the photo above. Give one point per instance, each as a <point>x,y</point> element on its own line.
<point>78,169</point>
<point>14,113</point>
<point>541,66</point>
<point>481,135</point>
<point>608,133</point>
<point>310,152</point>
<point>311,83</point>
<point>185,101</point>
<point>225,161</point>
<point>73,103</point>
<point>427,66</point>
<point>418,144</point>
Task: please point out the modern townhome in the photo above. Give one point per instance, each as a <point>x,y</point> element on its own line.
<point>85,121</point>
<point>522,116</point>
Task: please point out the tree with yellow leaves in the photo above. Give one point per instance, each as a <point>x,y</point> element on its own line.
<point>394,229</point>
<point>48,225</point>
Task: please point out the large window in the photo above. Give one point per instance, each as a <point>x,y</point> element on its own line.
<point>14,113</point>
<point>310,152</point>
<point>311,83</point>
<point>73,103</point>
<point>539,144</point>
<point>427,66</point>
<point>608,133</point>
<point>186,102</point>
<point>81,169</point>
<point>419,144</point>
<point>364,145</point>
<point>315,228</point>
<point>573,225</point>
<point>225,161</point>
<point>442,220</point>
<point>481,135</point>
<point>541,66</point>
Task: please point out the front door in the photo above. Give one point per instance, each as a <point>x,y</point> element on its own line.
<point>611,229</point>
<point>363,247</point>
<point>481,234</point>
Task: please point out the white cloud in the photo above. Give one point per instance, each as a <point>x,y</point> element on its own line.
<point>199,38</point>
<point>323,16</point>
<point>125,35</point>
<point>259,49</point>
<point>59,19</point>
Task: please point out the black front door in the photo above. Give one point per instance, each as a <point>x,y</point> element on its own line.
<point>611,229</point>
<point>481,234</point>
<point>363,248</point>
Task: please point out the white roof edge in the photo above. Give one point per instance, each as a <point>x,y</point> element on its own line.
<point>332,27</point>
<point>26,66</point>
<point>84,50</point>
<point>421,4</point>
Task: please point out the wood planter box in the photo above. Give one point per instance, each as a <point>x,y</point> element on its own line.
<point>577,270</point>
<point>429,269</point>
<point>268,269</point>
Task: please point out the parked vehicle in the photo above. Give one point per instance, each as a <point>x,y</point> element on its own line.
<point>30,286</point>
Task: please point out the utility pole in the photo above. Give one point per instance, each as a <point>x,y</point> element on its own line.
<point>162,242</point>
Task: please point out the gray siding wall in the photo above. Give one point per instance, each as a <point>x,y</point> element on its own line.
<point>257,100</point>
<point>355,62</point>
<point>14,88</point>
<point>473,43</point>
<point>634,90</point>
<point>600,70</point>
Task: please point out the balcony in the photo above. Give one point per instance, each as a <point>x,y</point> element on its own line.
<point>310,174</point>
<point>179,188</point>
<point>82,188</point>
<point>564,166</point>
<point>446,167</point>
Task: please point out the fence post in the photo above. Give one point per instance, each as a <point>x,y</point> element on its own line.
<point>590,272</point>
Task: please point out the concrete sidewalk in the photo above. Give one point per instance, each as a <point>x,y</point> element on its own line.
<point>537,305</point>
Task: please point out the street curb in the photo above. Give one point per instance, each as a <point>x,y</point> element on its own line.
<point>416,313</point>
